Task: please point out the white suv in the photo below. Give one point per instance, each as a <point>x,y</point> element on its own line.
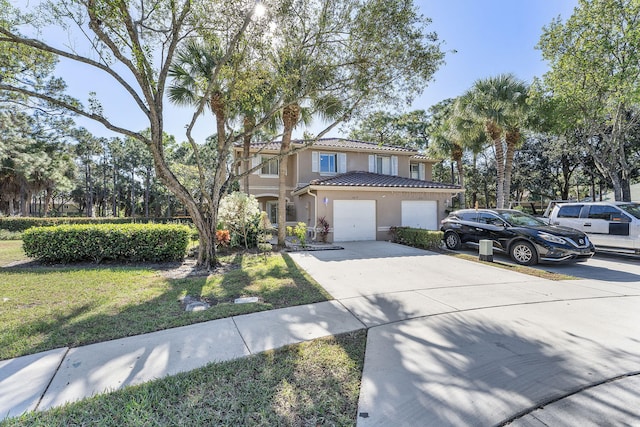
<point>611,226</point>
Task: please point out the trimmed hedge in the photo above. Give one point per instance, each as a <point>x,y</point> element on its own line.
<point>99,242</point>
<point>416,237</point>
<point>19,224</point>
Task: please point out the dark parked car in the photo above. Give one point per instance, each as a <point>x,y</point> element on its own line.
<point>525,238</point>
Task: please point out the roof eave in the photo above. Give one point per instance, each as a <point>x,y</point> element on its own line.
<point>371,188</point>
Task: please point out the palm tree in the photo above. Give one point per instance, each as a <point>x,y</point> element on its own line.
<point>451,134</point>
<point>499,103</point>
<point>196,80</point>
<point>444,142</point>
<point>291,67</point>
<point>191,73</point>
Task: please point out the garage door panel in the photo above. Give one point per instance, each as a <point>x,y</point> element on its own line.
<point>354,220</point>
<point>420,214</point>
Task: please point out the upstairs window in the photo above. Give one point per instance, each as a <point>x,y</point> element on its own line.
<point>417,171</point>
<point>385,165</point>
<point>269,167</point>
<point>414,170</point>
<point>328,163</point>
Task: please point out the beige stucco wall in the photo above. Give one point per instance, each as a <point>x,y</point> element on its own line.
<point>356,161</point>
<point>388,206</point>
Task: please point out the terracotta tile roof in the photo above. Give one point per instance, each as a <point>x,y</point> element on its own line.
<point>334,143</point>
<point>368,179</point>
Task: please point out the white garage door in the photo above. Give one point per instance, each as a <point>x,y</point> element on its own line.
<point>354,220</point>
<point>420,214</point>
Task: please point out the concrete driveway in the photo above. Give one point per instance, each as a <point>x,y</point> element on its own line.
<point>453,342</point>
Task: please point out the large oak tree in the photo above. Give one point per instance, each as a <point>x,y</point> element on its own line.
<point>342,54</point>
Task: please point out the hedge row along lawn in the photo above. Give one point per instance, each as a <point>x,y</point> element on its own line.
<point>112,242</point>
<point>309,384</point>
<point>46,307</point>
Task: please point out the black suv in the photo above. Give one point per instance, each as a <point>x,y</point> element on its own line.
<point>525,238</point>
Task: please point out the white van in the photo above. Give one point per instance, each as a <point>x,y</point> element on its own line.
<point>611,226</point>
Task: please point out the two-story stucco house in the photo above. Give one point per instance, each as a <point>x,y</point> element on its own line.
<point>362,189</point>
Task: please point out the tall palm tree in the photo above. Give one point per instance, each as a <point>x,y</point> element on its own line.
<point>191,73</point>
<point>317,101</point>
<point>500,104</point>
<point>444,142</point>
<point>451,134</point>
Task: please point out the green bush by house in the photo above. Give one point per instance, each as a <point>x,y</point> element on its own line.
<point>416,237</point>
<point>98,242</point>
<point>19,224</point>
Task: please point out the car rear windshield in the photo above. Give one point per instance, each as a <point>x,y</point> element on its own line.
<point>631,209</point>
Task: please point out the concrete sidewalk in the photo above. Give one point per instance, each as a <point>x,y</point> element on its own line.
<point>45,380</point>
<point>450,342</point>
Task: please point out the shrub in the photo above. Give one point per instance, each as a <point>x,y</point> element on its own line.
<point>19,224</point>
<point>264,235</point>
<point>323,225</point>
<point>300,232</point>
<point>10,235</point>
<point>119,242</point>
<point>240,213</point>
<point>416,237</point>
<point>223,238</point>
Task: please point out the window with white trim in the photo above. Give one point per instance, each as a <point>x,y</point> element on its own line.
<point>414,169</point>
<point>417,171</point>
<point>270,166</point>
<point>328,163</point>
<point>385,165</point>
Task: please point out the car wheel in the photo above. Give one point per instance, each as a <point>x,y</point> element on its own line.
<point>452,240</point>
<point>524,253</point>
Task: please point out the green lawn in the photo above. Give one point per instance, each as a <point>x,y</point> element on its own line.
<point>11,251</point>
<point>316,383</point>
<point>46,307</point>
<point>313,383</point>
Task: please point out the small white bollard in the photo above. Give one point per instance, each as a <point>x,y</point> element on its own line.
<point>486,250</point>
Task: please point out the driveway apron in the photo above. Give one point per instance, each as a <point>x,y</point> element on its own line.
<point>453,342</point>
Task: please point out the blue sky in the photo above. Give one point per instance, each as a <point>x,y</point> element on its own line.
<point>490,37</point>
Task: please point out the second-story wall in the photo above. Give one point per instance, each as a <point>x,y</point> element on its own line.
<point>328,159</point>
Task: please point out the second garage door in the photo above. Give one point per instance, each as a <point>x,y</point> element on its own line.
<point>354,220</point>
<point>420,214</point>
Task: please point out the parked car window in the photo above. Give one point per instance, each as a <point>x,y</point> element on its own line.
<point>607,213</point>
<point>632,209</point>
<point>571,211</point>
<point>521,219</point>
<point>468,216</point>
<point>487,218</point>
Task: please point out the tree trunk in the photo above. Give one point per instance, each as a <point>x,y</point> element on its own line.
<point>147,186</point>
<point>48,197</point>
<point>290,117</point>
<point>457,156</point>
<point>249,124</point>
<point>114,203</point>
<point>133,195</point>
<point>512,137</point>
<point>495,134</point>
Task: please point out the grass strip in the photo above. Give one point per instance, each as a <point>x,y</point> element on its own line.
<point>543,274</point>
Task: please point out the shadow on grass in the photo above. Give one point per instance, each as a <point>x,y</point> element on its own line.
<point>152,306</point>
